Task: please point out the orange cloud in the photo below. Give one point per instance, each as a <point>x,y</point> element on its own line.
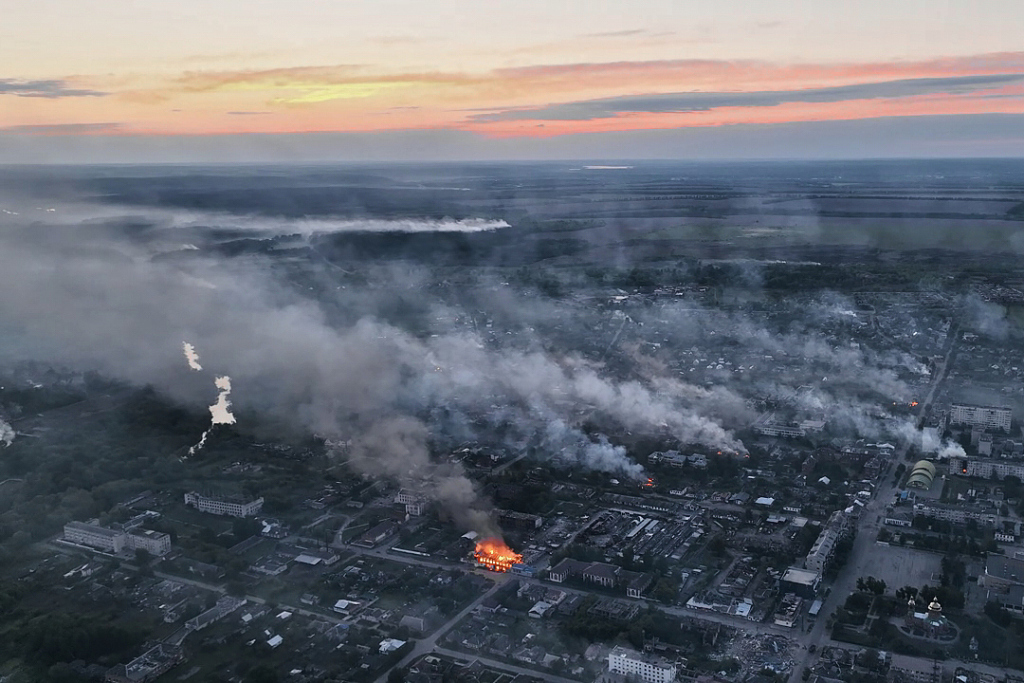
<point>358,97</point>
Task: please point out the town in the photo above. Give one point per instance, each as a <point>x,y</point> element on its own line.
<point>807,557</point>
<point>531,443</point>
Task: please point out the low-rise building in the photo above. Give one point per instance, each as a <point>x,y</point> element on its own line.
<point>1001,573</point>
<point>789,611</point>
<point>915,669</point>
<point>148,666</point>
<point>377,535</point>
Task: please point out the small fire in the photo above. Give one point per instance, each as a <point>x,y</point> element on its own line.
<point>495,555</point>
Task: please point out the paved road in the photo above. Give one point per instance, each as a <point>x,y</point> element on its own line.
<point>427,645</point>
<point>502,666</point>
<point>867,534</point>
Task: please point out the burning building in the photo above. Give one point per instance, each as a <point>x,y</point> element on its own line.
<point>493,554</point>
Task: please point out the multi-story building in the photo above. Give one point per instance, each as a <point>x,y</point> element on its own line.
<point>800,582</point>
<point>153,542</point>
<point>992,417</point>
<point>821,553</point>
<point>414,503</point>
<point>116,540</point>
<point>957,514</point>
<point>95,536</point>
<point>224,506</point>
<point>632,664</point>
<point>986,469</point>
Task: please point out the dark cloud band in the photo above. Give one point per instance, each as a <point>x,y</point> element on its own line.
<point>681,102</point>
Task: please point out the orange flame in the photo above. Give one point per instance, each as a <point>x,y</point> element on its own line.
<point>495,555</point>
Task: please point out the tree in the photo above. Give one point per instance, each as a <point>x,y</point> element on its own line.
<point>906,594</point>
<point>142,557</point>
<point>997,614</point>
<point>261,673</point>
<point>717,545</point>
<point>664,591</point>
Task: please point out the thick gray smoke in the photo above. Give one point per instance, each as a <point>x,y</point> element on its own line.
<point>6,433</point>
<point>985,317</point>
<point>928,443</point>
<point>90,301</point>
<point>182,220</point>
<point>87,297</point>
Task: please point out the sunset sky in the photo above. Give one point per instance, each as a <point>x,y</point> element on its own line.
<point>125,80</point>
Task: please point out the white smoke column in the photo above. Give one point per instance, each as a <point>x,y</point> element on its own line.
<point>951,449</point>
<point>220,411</point>
<point>928,443</point>
<point>191,356</point>
<point>6,433</point>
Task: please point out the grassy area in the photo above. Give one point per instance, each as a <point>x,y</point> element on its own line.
<point>995,644</point>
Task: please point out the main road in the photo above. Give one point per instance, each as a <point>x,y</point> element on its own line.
<point>867,532</point>
<point>429,644</point>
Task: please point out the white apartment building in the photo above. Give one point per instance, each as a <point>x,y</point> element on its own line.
<point>95,536</point>
<point>984,469</point>
<point>821,552</point>
<point>220,506</point>
<point>992,417</point>
<point>647,669</point>
<point>954,513</point>
<point>116,540</point>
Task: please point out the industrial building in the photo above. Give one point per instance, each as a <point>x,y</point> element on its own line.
<point>634,665</point>
<point>224,506</point>
<point>991,417</point>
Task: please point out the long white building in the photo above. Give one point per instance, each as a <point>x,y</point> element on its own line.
<point>647,669</point>
<point>117,540</point>
<point>992,417</point>
<point>223,506</point>
<point>985,468</point>
<point>95,536</point>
